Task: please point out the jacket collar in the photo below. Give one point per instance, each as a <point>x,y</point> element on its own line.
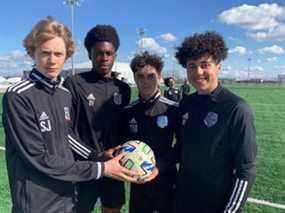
<point>215,95</point>
<point>97,77</point>
<point>35,75</point>
<point>151,100</point>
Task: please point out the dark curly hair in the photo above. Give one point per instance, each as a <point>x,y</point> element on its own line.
<point>145,58</point>
<point>196,46</point>
<point>101,33</point>
<point>167,81</point>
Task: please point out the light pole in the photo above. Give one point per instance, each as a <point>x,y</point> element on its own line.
<point>174,62</point>
<point>141,32</point>
<point>72,4</point>
<point>248,69</point>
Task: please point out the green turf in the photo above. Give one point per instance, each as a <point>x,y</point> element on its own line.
<point>5,203</point>
<point>268,103</point>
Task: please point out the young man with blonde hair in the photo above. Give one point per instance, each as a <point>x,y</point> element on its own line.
<point>36,117</point>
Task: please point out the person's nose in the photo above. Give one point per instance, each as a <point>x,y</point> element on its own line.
<point>51,58</point>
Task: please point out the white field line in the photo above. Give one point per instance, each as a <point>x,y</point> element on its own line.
<point>266,203</point>
<point>251,200</point>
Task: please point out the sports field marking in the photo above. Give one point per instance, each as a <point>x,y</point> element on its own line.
<point>266,203</point>
<point>251,200</point>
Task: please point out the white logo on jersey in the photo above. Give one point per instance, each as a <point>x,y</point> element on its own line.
<point>45,124</point>
<point>43,116</point>
<point>66,114</point>
<point>162,121</point>
<point>211,119</point>
<point>185,117</point>
<point>133,125</point>
<point>91,99</point>
<point>117,98</point>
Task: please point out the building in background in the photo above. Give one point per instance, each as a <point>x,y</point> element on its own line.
<point>281,78</point>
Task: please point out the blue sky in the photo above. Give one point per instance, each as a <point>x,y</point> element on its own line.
<point>254,30</point>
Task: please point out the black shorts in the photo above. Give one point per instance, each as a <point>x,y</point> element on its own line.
<point>110,192</point>
<point>156,196</point>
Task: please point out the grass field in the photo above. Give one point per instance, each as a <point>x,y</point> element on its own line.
<point>268,103</point>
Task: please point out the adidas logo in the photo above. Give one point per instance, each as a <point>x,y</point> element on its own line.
<point>90,97</point>
<point>43,116</point>
<point>133,121</point>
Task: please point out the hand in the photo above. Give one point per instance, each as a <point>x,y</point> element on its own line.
<point>115,170</point>
<point>109,154</point>
<point>149,177</point>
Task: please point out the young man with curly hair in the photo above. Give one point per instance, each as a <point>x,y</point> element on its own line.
<point>152,119</point>
<point>218,159</point>
<point>98,97</point>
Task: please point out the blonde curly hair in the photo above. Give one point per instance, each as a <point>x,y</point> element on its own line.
<point>45,30</point>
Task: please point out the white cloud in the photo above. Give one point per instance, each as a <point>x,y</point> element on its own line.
<point>243,73</point>
<point>274,49</point>
<point>168,37</point>
<point>264,21</point>
<point>263,16</point>
<point>280,68</point>
<point>14,62</point>
<point>277,33</point>
<point>17,55</point>
<point>151,45</point>
<point>272,59</point>
<point>256,69</point>
<point>238,49</point>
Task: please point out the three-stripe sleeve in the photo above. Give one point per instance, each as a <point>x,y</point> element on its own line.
<point>237,196</point>
<point>79,148</point>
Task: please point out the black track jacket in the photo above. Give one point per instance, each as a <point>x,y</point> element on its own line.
<point>96,104</point>
<point>154,122</point>
<point>40,163</point>
<point>217,167</point>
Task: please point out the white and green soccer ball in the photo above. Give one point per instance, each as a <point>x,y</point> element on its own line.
<point>139,157</point>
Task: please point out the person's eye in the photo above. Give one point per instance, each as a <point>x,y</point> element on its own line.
<point>58,54</point>
<point>151,77</point>
<point>45,53</point>
<point>205,65</point>
<point>109,53</point>
<point>192,66</point>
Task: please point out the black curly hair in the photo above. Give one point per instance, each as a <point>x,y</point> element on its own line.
<point>196,46</point>
<point>145,58</point>
<point>101,33</point>
<point>167,81</point>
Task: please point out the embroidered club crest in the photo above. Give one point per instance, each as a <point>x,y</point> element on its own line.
<point>185,117</point>
<point>117,97</point>
<point>162,121</point>
<point>91,100</point>
<point>211,119</point>
<point>133,124</point>
<point>66,114</point>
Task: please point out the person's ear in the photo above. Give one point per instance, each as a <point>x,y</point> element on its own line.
<point>159,76</point>
<point>219,66</point>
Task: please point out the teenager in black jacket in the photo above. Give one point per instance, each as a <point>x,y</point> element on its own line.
<point>152,119</point>
<point>36,117</point>
<point>218,159</point>
<point>97,99</point>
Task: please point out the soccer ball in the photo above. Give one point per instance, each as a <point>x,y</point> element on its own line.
<point>139,157</point>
